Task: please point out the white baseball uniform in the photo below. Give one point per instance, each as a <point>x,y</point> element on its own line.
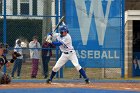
<point>68,52</point>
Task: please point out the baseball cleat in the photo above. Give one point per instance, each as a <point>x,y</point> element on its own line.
<point>87,81</point>
<point>48,81</point>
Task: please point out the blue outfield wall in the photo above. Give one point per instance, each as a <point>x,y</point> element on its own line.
<point>97,31</point>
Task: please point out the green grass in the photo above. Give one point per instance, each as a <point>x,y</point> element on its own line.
<point>69,73</point>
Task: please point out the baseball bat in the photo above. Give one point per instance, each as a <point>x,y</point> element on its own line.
<point>61,20</point>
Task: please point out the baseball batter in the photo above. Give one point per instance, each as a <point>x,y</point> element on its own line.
<point>64,41</point>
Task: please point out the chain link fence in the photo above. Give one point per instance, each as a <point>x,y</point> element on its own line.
<point>26,19</point>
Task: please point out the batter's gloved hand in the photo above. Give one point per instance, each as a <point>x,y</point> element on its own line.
<point>49,41</point>
<point>49,37</point>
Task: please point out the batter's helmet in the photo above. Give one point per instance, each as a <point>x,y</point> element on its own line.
<point>63,28</point>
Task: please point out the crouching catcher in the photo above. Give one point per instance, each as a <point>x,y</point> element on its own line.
<point>5,78</point>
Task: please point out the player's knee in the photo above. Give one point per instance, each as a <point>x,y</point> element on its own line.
<point>55,69</point>
<point>78,67</point>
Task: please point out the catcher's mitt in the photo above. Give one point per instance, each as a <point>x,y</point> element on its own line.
<point>5,79</point>
<point>14,56</point>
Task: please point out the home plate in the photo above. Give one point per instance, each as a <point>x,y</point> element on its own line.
<point>128,88</point>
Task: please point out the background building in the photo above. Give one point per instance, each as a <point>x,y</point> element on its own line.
<point>132,38</point>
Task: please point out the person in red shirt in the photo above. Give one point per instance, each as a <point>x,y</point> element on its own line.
<point>46,55</point>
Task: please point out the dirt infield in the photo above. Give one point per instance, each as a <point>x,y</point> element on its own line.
<point>112,86</point>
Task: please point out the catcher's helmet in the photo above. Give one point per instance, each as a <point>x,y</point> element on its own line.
<point>63,28</point>
<point>2,45</point>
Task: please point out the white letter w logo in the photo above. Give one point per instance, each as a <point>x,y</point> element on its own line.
<point>85,21</point>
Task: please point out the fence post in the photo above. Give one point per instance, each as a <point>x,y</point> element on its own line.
<point>123,34</point>
<point>61,14</point>
<point>4,30</point>
<point>57,12</point>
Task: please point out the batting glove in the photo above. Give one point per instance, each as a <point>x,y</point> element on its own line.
<point>49,41</point>
<point>48,38</point>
